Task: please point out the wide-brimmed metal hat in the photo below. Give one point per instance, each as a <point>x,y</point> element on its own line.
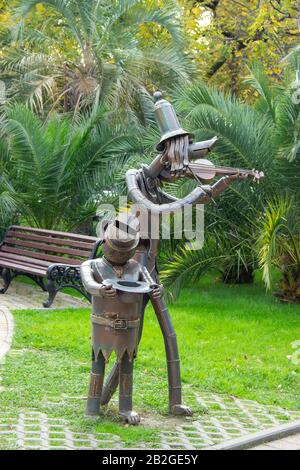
<point>167,120</point>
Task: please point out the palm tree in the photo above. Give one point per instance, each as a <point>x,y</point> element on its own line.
<point>263,136</point>
<point>245,141</point>
<point>279,247</point>
<point>58,171</point>
<point>107,57</point>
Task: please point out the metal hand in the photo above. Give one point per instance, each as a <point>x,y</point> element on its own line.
<point>107,292</point>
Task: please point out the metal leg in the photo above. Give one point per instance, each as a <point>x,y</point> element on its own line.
<point>111,384</point>
<point>112,380</point>
<point>125,391</point>
<point>52,291</point>
<point>6,276</point>
<point>173,361</point>
<point>96,384</point>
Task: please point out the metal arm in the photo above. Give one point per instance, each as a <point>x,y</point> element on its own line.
<point>197,196</point>
<point>201,195</point>
<point>88,281</point>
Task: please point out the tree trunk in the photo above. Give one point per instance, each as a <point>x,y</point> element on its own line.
<point>289,287</point>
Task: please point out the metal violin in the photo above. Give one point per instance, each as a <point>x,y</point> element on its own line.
<point>205,170</point>
<point>200,169</point>
<point>180,156</point>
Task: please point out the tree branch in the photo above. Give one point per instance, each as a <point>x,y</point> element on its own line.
<point>216,66</point>
<point>292,34</point>
<point>241,4</point>
<point>285,14</point>
<point>239,46</point>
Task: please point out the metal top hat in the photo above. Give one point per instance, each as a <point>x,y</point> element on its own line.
<point>121,238</point>
<point>123,233</point>
<point>167,120</point>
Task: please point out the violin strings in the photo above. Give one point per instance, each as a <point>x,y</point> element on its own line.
<point>195,166</point>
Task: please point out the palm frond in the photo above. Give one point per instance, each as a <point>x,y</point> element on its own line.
<point>110,57</point>
<point>188,265</point>
<point>244,135</point>
<point>287,133</point>
<point>267,91</point>
<point>269,243</point>
<point>64,7</point>
<point>9,203</point>
<point>27,140</point>
<point>137,13</point>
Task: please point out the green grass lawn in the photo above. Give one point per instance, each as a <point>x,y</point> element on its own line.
<point>232,339</point>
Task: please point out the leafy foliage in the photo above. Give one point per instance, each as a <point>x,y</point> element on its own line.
<point>264,137</point>
<point>61,169</point>
<point>279,245</point>
<point>100,54</point>
<point>225,35</point>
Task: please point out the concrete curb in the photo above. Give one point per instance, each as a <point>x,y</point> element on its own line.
<point>6,331</point>
<point>260,437</point>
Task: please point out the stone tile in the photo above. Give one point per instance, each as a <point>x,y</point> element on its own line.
<point>35,430</point>
<point>6,331</point>
<point>262,447</point>
<point>284,444</point>
<point>294,439</point>
<point>225,418</point>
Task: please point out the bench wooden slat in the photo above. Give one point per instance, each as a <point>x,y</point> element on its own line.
<point>49,239</point>
<point>72,236</point>
<point>30,251</point>
<point>44,256</point>
<point>25,259</point>
<point>44,247</point>
<point>23,268</point>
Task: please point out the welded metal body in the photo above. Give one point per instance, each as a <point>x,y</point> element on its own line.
<point>116,315</point>
<point>115,321</point>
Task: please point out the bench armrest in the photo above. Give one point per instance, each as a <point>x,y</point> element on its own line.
<point>66,275</point>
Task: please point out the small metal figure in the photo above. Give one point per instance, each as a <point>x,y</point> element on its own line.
<point>117,284</point>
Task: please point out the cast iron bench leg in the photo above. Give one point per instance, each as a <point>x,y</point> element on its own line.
<point>52,291</point>
<point>6,276</point>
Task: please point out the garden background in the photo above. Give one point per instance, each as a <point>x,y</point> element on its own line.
<point>76,111</point>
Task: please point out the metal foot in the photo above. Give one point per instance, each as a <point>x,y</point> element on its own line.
<point>131,417</point>
<point>181,410</point>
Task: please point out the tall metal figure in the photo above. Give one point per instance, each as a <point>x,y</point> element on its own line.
<point>179,157</point>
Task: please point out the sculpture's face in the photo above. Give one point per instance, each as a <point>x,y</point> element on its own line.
<point>119,245</point>
<point>115,256</point>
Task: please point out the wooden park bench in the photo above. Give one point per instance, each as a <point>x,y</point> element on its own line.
<point>45,254</point>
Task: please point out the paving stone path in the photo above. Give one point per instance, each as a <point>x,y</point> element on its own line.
<point>32,430</point>
<point>225,418</point>
<point>287,443</point>
<point>22,296</point>
<point>219,417</point>
<point>6,331</point>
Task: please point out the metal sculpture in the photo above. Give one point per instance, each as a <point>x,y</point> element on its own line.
<point>177,153</point>
<point>117,284</point>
